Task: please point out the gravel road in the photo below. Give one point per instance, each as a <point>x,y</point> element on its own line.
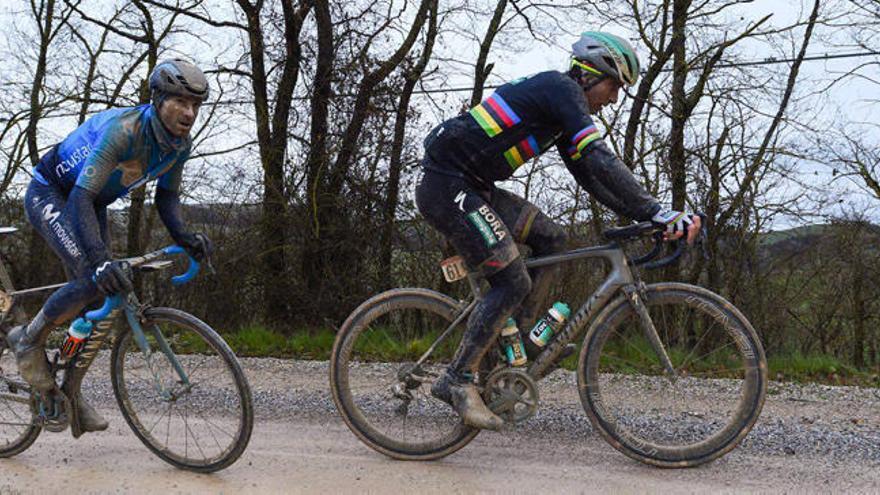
<point>810,438</point>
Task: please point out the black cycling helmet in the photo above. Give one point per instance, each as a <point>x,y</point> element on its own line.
<point>605,55</point>
<point>180,78</point>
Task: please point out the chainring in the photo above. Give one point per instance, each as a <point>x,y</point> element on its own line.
<point>512,394</point>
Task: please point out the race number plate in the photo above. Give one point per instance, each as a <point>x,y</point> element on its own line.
<point>453,268</point>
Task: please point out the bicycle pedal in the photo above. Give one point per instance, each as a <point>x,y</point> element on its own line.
<point>55,421</point>
<point>53,416</point>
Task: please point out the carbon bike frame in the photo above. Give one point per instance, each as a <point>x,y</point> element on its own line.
<point>619,279</point>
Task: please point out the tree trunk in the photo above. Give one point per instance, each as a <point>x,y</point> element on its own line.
<point>481,69</point>
<point>327,263</point>
<point>396,163</point>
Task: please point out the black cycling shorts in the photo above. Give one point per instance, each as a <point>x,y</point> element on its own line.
<point>483,226</point>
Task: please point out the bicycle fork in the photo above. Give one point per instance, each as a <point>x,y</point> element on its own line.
<point>134,322</point>
<point>633,295</point>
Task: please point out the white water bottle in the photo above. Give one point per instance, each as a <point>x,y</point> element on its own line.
<point>512,344</point>
<point>544,330</point>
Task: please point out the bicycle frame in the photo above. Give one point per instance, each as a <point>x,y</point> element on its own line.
<point>620,279</point>
<point>102,319</point>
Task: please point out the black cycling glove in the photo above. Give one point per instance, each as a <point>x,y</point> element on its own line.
<point>196,245</point>
<point>112,277</point>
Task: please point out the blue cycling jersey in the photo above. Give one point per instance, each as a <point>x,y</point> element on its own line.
<point>115,151</point>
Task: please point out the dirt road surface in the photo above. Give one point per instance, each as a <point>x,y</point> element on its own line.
<point>300,445</point>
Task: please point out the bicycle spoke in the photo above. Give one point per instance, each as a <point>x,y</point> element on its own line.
<point>717,350</point>
<point>14,413</point>
<point>194,415</point>
<point>167,410</point>
<point>194,436</point>
<point>221,430</point>
<point>697,345</point>
<point>384,342</point>
<point>702,410</point>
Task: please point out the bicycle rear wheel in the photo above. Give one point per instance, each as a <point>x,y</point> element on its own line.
<point>204,426</point>
<point>382,400</point>
<point>693,417</point>
<point>18,428</point>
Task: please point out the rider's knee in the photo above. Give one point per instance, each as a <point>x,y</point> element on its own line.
<point>558,239</point>
<point>68,301</point>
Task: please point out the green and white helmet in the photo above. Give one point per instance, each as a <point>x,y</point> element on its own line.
<point>603,54</point>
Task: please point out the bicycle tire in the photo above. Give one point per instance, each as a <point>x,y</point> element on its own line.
<point>18,405</point>
<point>352,412</point>
<point>237,391</point>
<point>619,431</point>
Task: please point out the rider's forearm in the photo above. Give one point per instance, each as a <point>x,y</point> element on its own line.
<point>87,229</point>
<point>168,206</point>
<point>605,177</point>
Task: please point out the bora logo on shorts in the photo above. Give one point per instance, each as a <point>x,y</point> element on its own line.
<point>488,224</point>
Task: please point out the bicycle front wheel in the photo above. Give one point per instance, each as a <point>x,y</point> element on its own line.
<point>201,423</point>
<point>382,397</point>
<point>690,417</point>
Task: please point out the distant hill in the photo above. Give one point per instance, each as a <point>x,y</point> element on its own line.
<point>799,239</point>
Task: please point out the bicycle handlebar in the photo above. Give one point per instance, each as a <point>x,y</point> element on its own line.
<point>114,301</point>
<point>110,303</point>
<point>192,269</point>
<point>657,233</point>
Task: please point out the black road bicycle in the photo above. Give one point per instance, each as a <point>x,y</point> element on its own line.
<point>670,374</point>
<point>178,384</point>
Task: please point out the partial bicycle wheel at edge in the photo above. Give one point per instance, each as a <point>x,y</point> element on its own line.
<point>716,394</point>
<point>18,427</point>
<point>378,343</point>
<point>203,427</point>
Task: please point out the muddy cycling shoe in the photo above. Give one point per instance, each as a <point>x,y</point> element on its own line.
<point>465,399</point>
<point>89,418</point>
<point>25,344</point>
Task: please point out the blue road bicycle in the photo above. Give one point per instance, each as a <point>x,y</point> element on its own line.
<point>179,386</point>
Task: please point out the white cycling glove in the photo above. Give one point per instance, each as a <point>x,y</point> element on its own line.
<point>675,221</point>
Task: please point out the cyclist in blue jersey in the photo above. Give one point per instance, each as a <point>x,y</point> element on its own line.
<point>466,155</point>
<point>112,153</point>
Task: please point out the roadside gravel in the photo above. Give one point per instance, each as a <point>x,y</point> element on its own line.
<point>810,438</point>
<point>827,422</point>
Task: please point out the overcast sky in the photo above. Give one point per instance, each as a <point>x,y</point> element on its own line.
<point>846,103</point>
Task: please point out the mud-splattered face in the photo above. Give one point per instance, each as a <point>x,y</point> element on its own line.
<point>179,113</point>
<point>603,94</point>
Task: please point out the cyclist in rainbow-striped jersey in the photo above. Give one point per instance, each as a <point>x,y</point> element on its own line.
<point>466,155</point>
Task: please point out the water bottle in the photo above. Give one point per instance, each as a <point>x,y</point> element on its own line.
<point>77,335</point>
<point>549,325</point>
<point>512,344</point>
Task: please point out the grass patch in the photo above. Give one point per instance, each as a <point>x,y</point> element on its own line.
<point>818,368</point>
<point>258,341</point>
<point>312,345</point>
<point>634,357</point>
